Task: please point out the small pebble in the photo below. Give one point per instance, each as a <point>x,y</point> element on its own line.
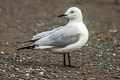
<point>27,75</point>
<point>64,76</point>
<point>99,63</point>
<point>3,70</point>
<point>69,71</point>
<point>52,73</point>
<point>12,75</point>
<point>51,61</point>
<point>118,69</point>
<point>20,60</point>
<point>98,39</point>
<point>35,78</point>
<point>42,69</point>
<point>91,79</point>
<point>114,54</point>
<point>2,52</point>
<point>20,79</point>
<point>29,57</point>
<point>19,70</point>
<point>7,43</point>
<point>113,30</point>
<point>77,72</point>
<point>41,73</point>
<point>56,76</point>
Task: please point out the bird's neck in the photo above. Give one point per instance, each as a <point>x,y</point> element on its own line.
<point>75,20</point>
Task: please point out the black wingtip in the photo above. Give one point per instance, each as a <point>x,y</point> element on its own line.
<point>27,47</point>
<point>20,49</point>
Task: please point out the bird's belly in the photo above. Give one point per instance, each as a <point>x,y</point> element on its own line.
<point>64,50</point>
<point>71,47</point>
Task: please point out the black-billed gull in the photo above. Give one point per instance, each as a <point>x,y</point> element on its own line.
<point>63,39</point>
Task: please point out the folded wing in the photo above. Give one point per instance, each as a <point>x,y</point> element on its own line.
<point>60,38</point>
<point>44,34</point>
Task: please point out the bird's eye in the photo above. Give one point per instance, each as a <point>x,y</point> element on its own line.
<point>72,12</point>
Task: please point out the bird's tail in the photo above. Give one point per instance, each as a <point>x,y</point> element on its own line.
<point>27,47</point>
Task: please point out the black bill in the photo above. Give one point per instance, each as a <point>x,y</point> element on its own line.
<point>62,15</point>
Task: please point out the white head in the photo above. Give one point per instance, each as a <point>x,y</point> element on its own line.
<point>73,13</point>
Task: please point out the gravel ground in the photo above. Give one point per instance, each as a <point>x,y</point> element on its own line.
<point>99,59</point>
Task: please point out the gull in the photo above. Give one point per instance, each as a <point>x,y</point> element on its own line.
<point>64,39</point>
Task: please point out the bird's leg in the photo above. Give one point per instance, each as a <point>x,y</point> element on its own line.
<point>64,59</point>
<point>69,60</point>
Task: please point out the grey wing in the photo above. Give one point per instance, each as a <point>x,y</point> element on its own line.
<point>60,38</point>
<point>46,33</point>
<point>64,40</point>
<point>41,35</point>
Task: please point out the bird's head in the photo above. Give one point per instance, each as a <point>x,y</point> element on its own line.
<point>72,14</point>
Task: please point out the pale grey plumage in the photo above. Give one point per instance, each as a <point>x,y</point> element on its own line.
<point>60,38</point>
<point>44,34</point>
